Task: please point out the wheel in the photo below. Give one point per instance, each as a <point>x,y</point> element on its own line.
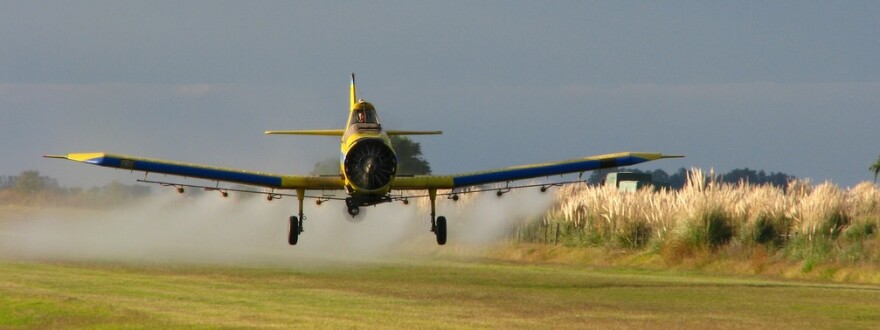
<point>293,231</point>
<point>440,230</point>
<point>354,210</point>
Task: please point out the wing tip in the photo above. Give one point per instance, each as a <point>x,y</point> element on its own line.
<point>79,157</point>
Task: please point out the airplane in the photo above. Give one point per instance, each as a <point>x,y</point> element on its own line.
<point>367,171</point>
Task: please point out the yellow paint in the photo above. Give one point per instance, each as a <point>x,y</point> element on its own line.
<point>82,157</point>
<point>422,182</point>
<point>355,132</point>
<point>353,93</point>
<point>311,182</point>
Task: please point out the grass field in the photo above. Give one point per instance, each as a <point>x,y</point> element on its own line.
<point>416,293</point>
<point>207,263</point>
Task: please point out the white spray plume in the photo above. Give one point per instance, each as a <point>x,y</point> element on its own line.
<point>207,229</point>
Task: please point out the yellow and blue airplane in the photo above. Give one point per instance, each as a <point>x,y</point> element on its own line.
<point>368,171</point>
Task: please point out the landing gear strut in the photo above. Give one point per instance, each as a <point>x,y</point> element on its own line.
<point>438,224</point>
<point>295,226</point>
<point>353,208</point>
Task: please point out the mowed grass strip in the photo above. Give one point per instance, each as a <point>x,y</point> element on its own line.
<point>416,294</point>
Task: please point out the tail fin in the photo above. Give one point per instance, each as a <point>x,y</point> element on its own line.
<point>353,92</point>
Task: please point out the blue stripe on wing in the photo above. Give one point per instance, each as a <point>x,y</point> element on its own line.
<point>528,172</point>
<point>187,170</point>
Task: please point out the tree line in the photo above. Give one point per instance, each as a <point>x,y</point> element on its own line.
<point>32,188</point>
<point>678,179</point>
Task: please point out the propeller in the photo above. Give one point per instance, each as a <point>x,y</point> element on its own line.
<point>370,164</point>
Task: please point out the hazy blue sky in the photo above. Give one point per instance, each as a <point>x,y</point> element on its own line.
<point>791,86</point>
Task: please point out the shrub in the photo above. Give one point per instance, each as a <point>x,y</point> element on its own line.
<point>710,229</point>
<point>763,231</point>
<point>633,235</point>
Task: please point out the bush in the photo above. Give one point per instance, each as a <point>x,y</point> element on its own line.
<point>710,230</point>
<point>633,235</point>
<point>764,232</point>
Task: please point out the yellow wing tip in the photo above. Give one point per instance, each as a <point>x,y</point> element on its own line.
<point>79,157</point>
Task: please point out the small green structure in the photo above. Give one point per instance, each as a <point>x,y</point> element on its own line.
<point>628,181</point>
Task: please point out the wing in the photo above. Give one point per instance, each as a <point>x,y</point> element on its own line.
<point>262,179</point>
<point>339,132</point>
<point>400,132</point>
<point>325,132</point>
<point>525,171</point>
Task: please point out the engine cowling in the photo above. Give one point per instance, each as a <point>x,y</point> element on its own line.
<point>370,164</point>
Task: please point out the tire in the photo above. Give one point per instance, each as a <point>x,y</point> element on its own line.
<point>440,231</point>
<point>293,231</point>
<point>354,210</point>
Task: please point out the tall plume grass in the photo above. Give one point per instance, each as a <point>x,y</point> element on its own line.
<point>802,220</point>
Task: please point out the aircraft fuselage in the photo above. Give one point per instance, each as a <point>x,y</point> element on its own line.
<point>368,161</point>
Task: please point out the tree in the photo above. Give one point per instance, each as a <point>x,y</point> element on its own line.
<point>678,179</point>
<point>409,156</point>
<point>742,175</point>
<point>30,182</point>
<point>749,176</point>
<point>7,181</point>
<point>875,168</point>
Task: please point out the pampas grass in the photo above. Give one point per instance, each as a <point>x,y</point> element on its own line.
<point>804,220</point>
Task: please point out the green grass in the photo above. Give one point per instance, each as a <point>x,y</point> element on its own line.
<point>416,294</point>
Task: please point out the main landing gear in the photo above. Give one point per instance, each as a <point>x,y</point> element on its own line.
<point>293,230</point>
<point>295,223</point>
<point>295,226</point>
<point>438,224</point>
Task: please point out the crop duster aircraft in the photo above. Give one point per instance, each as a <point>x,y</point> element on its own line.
<point>368,171</point>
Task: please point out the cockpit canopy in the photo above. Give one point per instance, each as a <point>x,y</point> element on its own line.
<point>363,113</point>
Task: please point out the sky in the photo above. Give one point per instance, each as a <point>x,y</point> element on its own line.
<point>783,86</point>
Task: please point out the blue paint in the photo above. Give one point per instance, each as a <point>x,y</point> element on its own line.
<point>193,171</point>
<point>542,171</point>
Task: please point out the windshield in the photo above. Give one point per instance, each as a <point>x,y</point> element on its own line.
<point>367,116</point>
